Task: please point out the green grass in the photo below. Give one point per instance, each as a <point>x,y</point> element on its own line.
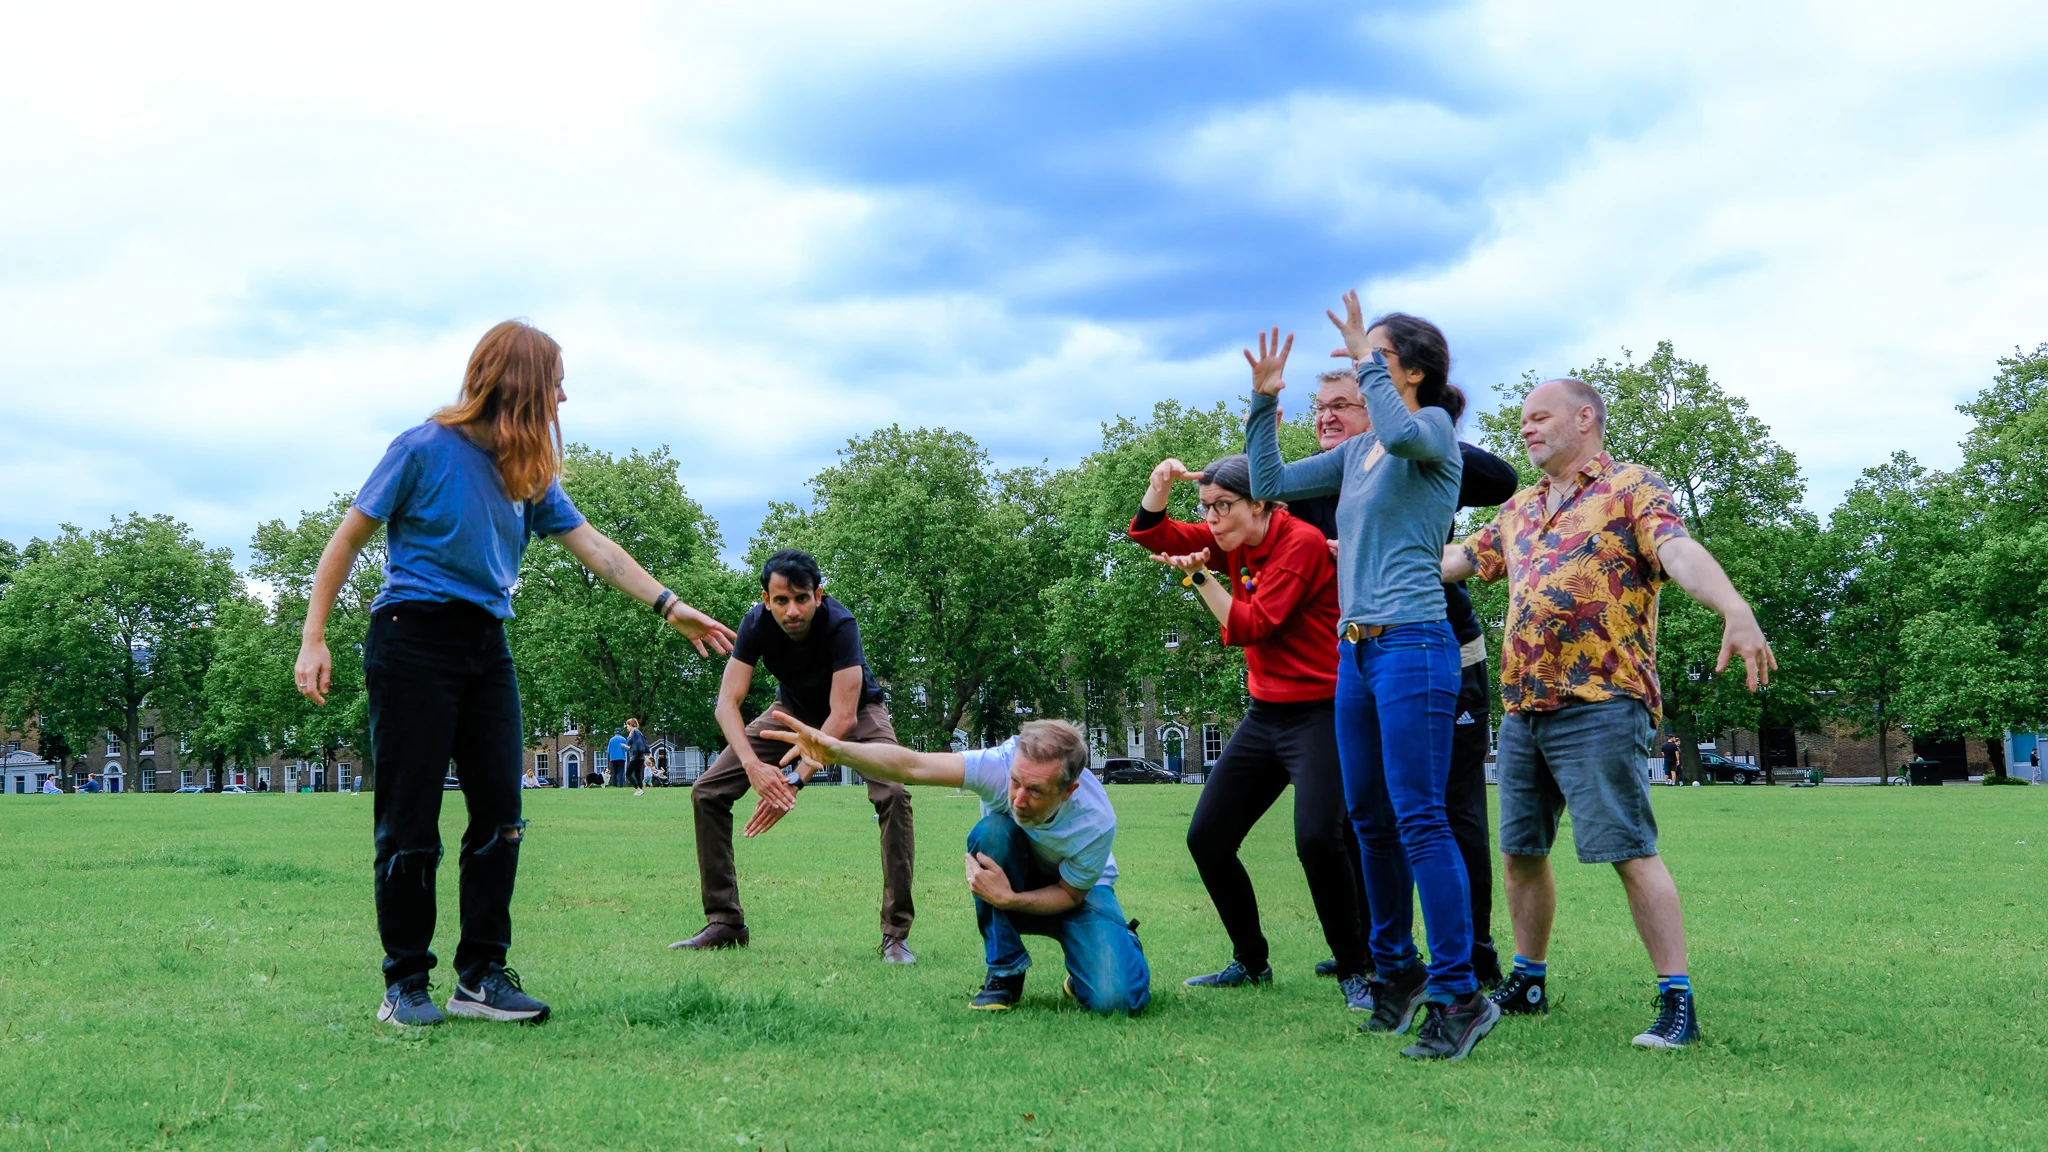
<point>201,971</point>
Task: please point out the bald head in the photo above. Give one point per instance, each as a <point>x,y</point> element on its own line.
<point>1562,425</point>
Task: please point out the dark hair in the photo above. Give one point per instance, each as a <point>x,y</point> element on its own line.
<point>1231,473</point>
<point>796,567</point>
<point>1421,345</point>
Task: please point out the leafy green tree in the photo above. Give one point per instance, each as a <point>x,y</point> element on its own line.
<point>102,625</point>
<point>286,556</point>
<point>1740,492</point>
<point>941,558</point>
<point>1111,609</point>
<point>587,652</point>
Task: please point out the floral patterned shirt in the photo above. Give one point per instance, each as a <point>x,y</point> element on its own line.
<point>1582,597</point>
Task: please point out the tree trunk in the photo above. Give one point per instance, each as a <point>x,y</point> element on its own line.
<point>1994,751</point>
<point>1687,730</point>
<point>131,752</point>
<point>1884,757</point>
<point>1149,724</point>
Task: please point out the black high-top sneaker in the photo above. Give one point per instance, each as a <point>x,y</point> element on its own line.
<point>1522,995</point>
<point>1676,1026</point>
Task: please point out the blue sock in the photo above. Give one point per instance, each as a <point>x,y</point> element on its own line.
<point>1530,967</point>
<point>1681,982</point>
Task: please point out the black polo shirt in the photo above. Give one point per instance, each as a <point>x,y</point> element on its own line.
<point>804,667</point>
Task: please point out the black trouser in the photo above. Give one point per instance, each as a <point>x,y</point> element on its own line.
<point>1464,803</point>
<point>635,774</point>
<point>1277,744</point>
<point>441,686</point>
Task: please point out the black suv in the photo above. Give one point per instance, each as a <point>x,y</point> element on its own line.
<point>1126,771</point>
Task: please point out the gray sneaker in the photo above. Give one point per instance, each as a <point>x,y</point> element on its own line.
<point>1396,996</point>
<point>407,1004</point>
<point>497,996</point>
<point>1357,992</point>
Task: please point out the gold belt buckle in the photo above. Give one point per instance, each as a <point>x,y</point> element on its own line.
<point>1356,632</point>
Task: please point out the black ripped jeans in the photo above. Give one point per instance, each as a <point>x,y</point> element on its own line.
<point>441,687</point>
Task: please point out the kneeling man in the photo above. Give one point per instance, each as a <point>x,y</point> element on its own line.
<point>1039,862</point>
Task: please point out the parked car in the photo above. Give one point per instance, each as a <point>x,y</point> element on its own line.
<point>191,788</point>
<point>1721,769</point>
<point>450,784</point>
<point>234,788</point>
<point>1128,771</point>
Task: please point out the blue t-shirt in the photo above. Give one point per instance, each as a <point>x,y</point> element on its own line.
<point>616,748</point>
<point>1077,838</point>
<point>452,533</point>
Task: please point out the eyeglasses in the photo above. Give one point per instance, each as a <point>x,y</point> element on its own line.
<point>1219,509</point>
<point>1317,407</point>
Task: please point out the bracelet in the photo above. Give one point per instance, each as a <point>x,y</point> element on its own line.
<point>661,603</point>
<point>1195,579</point>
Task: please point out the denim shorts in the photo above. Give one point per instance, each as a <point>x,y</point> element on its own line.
<point>1588,758</point>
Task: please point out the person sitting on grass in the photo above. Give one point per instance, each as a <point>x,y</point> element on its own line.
<point>1038,863</point>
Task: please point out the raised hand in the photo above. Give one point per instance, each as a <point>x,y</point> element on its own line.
<point>1188,564</point>
<point>707,634</point>
<point>1269,363</point>
<point>1353,328</point>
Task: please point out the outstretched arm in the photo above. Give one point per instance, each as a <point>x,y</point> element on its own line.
<point>878,761</point>
<point>599,554</point>
<point>1320,474</point>
<point>1696,571</point>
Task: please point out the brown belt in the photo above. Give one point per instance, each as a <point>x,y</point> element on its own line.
<point>1355,632</point>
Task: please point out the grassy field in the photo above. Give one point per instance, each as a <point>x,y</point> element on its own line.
<point>201,971</point>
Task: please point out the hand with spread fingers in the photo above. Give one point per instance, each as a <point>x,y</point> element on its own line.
<point>1353,328</point>
<point>1198,562</point>
<point>708,634</point>
<point>1269,363</point>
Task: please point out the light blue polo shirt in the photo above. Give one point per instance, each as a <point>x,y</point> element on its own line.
<point>1077,838</point>
<point>452,533</point>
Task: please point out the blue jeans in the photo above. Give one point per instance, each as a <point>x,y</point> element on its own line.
<point>1103,954</point>
<point>1395,698</point>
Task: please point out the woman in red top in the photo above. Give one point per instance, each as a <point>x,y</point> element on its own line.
<point>1275,596</point>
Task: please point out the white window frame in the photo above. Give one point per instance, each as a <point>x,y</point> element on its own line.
<point>209,779</point>
<point>1212,743</point>
<point>1172,638</point>
<point>113,744</point>
<point>319,777</point>
<point>540,765</point>
<point>291,777</point>
<point>263,777</point>
<point>184,777</point>
<point>149,780</point>
<point>147,739</point>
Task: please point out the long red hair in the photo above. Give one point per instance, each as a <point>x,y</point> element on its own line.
<point>508,406</point>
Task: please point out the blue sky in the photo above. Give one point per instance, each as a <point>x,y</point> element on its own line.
<point>245,246</point>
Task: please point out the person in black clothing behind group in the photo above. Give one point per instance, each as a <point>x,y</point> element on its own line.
<point>1487,481</point>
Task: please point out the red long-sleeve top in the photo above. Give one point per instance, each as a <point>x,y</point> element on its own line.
<point>1283,603</point>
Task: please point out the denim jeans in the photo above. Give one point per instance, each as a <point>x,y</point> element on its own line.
<point>1395,696</point>
<point>440,686</point>
<point>1103,955</point>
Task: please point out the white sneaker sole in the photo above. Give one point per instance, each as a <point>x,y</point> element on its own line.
<point>1653,1041</point>
<point>387,1013</point>
<point>478,1010</point>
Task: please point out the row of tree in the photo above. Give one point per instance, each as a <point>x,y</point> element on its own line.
<point>988,596</point>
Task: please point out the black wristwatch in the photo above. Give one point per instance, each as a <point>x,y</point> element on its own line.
<point>795,781</point>
<point>1199,577</point>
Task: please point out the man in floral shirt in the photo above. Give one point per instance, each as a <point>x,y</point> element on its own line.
<point>1585,551</point>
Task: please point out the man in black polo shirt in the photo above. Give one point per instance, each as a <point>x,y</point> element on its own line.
<point>811,646</point>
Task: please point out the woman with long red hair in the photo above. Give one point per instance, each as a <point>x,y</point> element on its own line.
<point>459,496</point>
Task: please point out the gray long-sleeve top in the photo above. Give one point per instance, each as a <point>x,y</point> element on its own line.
<point>1394,506</point>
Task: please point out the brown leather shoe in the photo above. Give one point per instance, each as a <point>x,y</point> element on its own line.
<point>895,952</point>
<point>716,935</point>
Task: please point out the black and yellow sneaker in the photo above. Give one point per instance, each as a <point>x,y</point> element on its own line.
<point>1676,1026</point>
<point>1449,1031</point>
<point>999,994</point>
<point>1522,995</point>
<point>1395,997</point>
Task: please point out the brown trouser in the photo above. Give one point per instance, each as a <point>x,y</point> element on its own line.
<point>726,781</point>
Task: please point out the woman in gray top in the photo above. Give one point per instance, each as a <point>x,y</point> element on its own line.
<point>1397,660</point>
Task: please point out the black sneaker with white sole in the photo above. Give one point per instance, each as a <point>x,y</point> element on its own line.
<point>496,996</point>
<point>1449,1031</point>
<point>1395,997</point>
<point>1676,1026</point>
<point>1522,995</point>
<point>408,1005</point>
